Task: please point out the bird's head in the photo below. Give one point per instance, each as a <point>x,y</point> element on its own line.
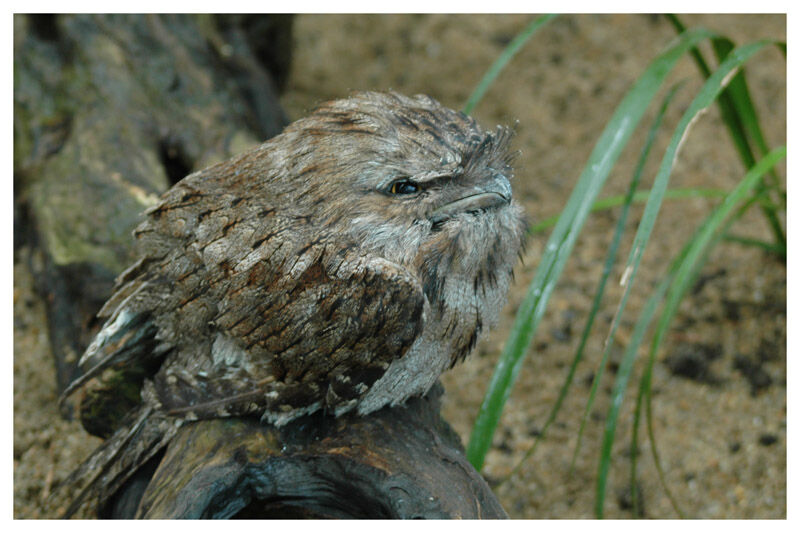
<point>410,180</point>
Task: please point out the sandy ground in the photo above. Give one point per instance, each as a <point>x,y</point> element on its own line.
<point>719,402</point>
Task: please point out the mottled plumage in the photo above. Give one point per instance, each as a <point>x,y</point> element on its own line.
<point>343,265</point>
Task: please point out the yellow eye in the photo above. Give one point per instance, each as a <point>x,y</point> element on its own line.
<point>404,186</point>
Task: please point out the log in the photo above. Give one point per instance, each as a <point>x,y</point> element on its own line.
<point>402,462</point>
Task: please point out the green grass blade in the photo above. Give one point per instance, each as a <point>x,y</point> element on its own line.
<point>683,273</point>
<point>639,197</point>
<point>695,52</point>
<point>745,120</point>
<point>766,246</point>
<point>741,120</point>
<point>559,246</point>
<point>644,394</point>
<point>500,63</point>
<point>732,117</point>
<point>610,259</point>
<point>725,103</point>
<point>708,93</point>
<point>741,101</point>
<point>639,330</point>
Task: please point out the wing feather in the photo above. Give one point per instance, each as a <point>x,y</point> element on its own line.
<point>287,344</point>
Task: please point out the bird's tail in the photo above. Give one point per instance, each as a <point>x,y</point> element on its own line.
<point>117,459</point>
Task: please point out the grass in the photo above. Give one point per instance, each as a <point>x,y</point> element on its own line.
<point>759,188</point>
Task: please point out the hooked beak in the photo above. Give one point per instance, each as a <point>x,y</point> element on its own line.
<point>495,193</point>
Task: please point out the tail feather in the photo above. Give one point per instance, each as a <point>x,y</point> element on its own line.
<point>138,342</point>
<point>119,457</point>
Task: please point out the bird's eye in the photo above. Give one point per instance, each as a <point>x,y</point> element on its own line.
<point>403,186</point>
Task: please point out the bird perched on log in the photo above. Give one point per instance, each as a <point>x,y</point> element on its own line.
<point>341,266</point>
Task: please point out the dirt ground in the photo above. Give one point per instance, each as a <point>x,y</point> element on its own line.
<point>719,402</point>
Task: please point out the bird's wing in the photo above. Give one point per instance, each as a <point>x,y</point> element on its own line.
<point>285,343</point>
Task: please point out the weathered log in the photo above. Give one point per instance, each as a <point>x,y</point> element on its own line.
<point>403,462</point>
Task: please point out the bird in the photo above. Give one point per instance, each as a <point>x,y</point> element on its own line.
<point>341,266</point>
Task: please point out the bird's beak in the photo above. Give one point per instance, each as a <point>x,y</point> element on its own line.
<point>492,194</point>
